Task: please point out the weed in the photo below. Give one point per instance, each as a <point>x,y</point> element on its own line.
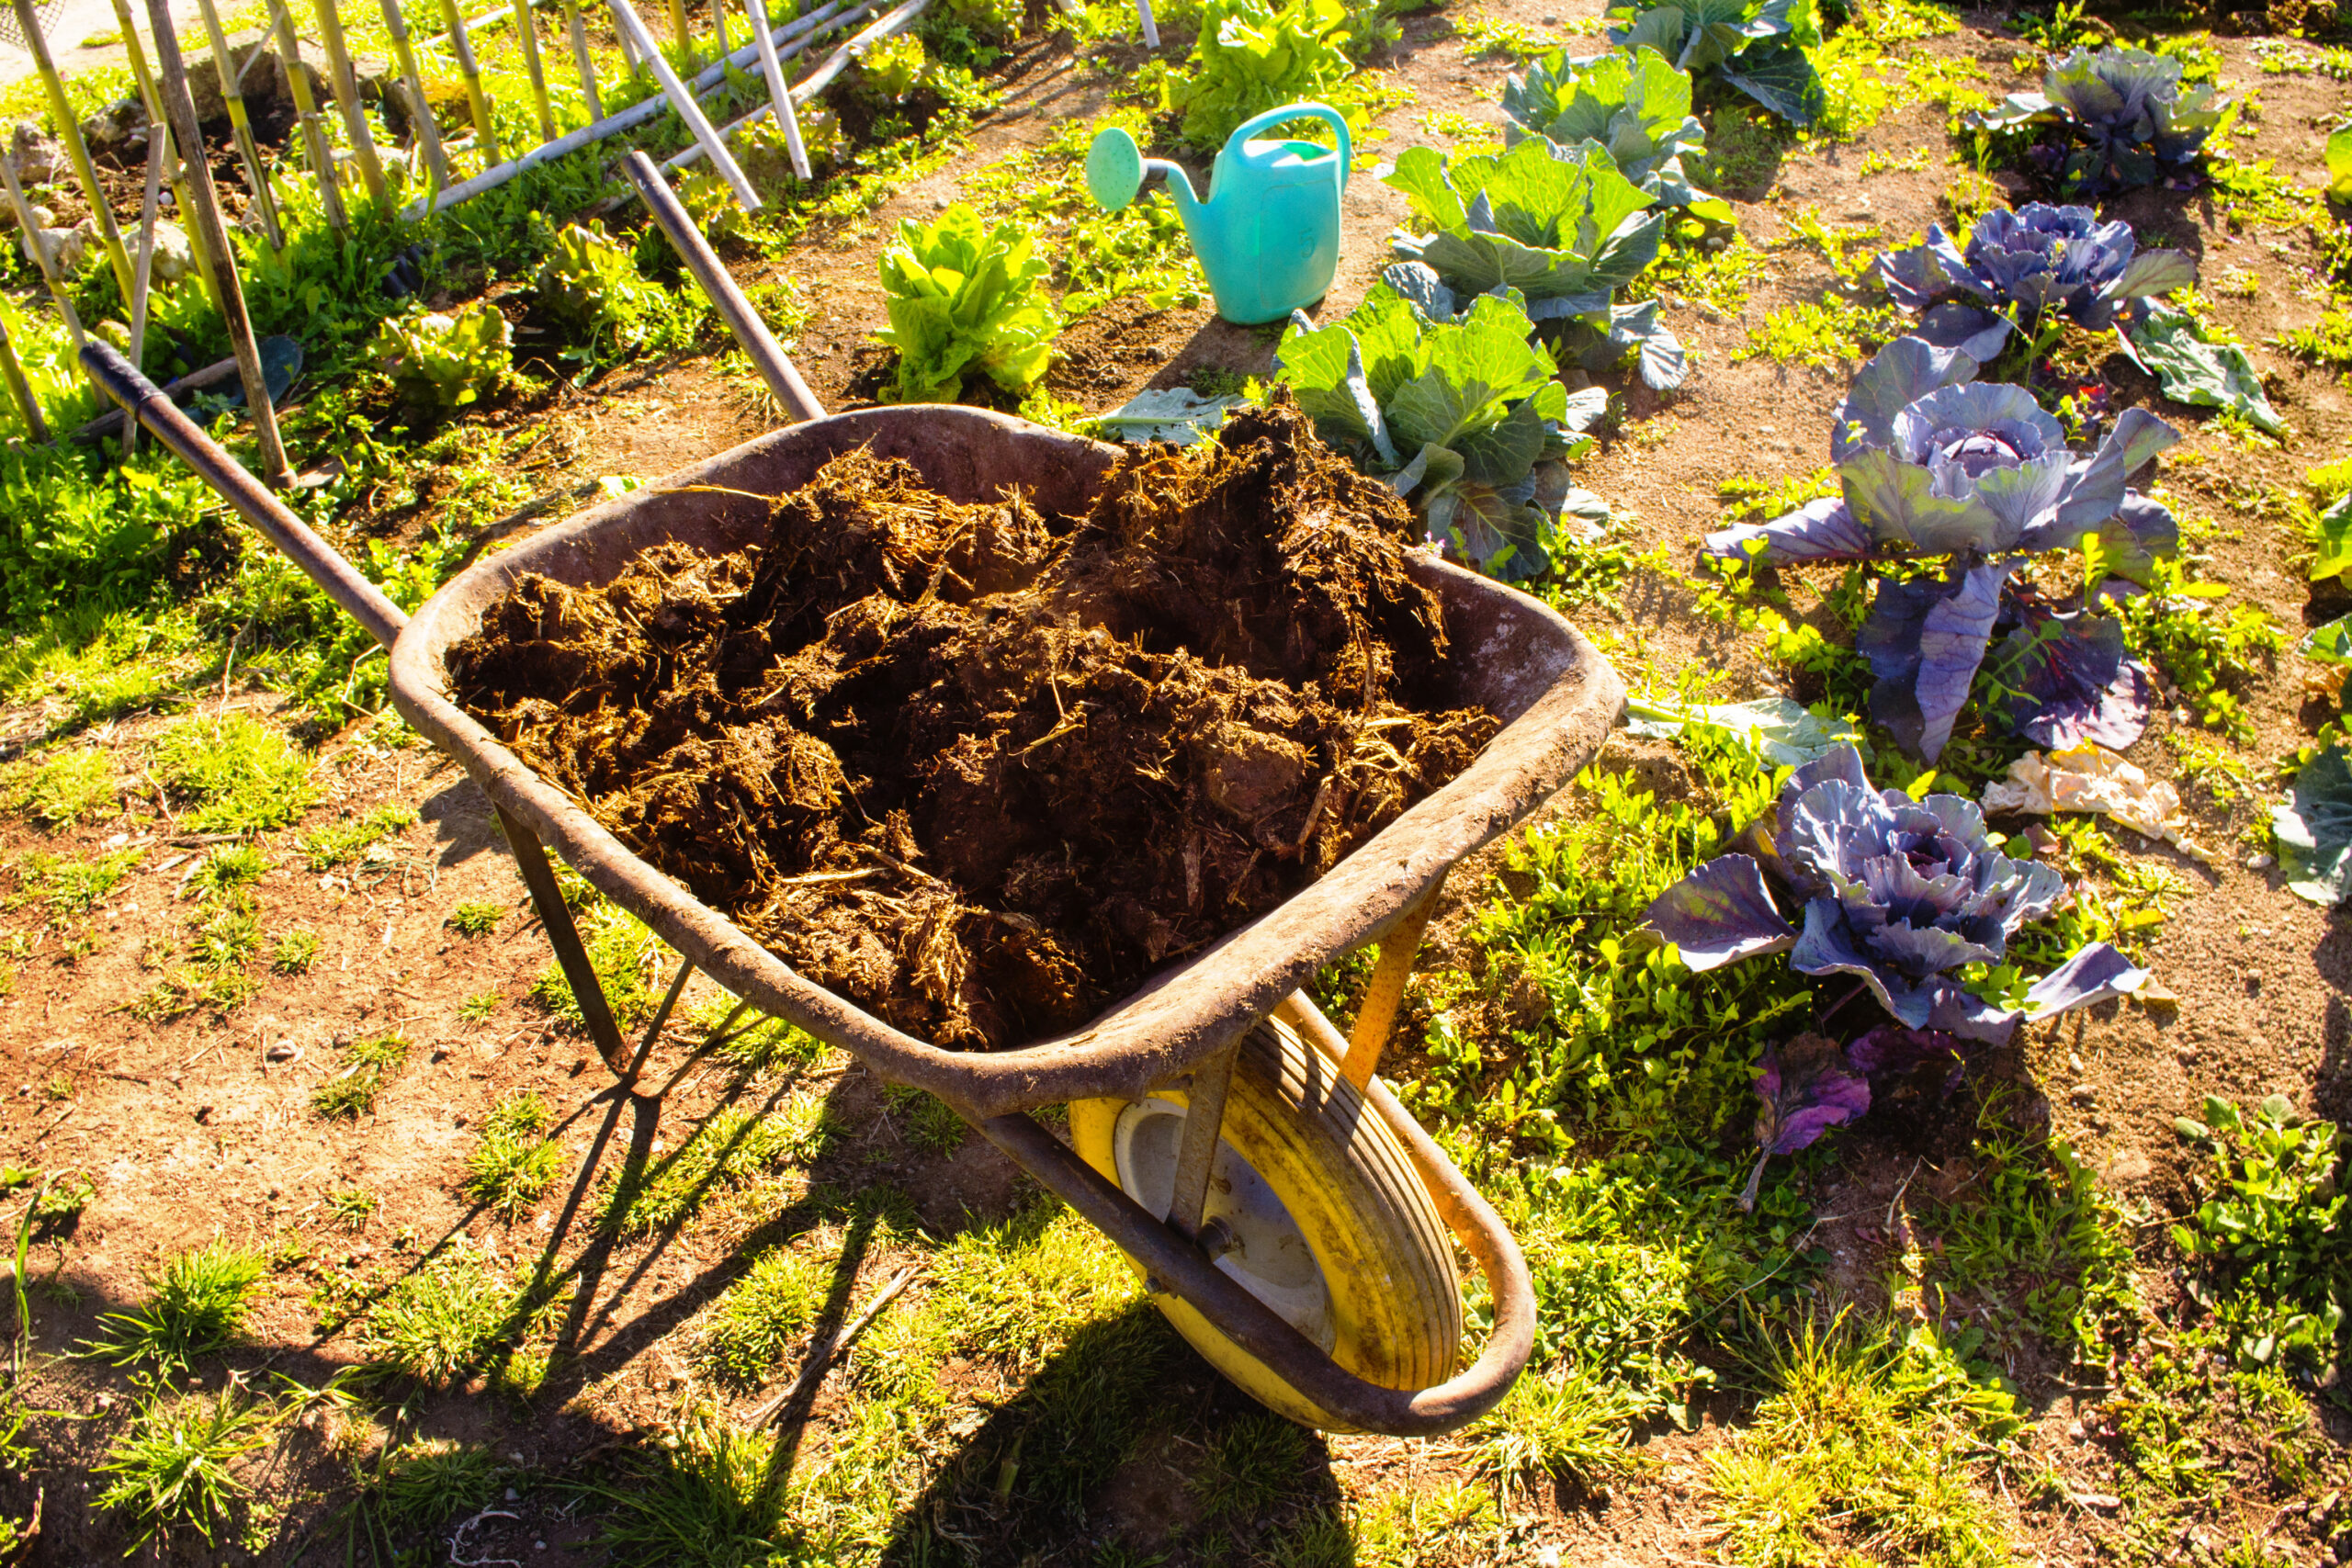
<point>62,788</point>
<point>707,1493</point>
<point>761,1316</point>
<point>2212,767</point>
<point>60,1202</point>
<point>1823,333</point>
<point>75,886</point>
<point>199,1299</point>
<point>476,919</point>
<point>352,1092</point>
<point>1247,1464</point>
<point>1747,500</point>
<point>239,774</point>
<point>624,956</point>
<point>174,1468</point>
<point>1495,38</point>
<point>423,1484</point>
<point>478,1007</point>
<point>348,840</point>
<point>351,1206</point>
<point>512,1165</point>
<point>295,952</point>
<point>2211,655</point>
<point>2269,1231</point>
<point>1567,1426</point>
<point>447,1320</point>
<point>726,1150</point>
<point>930,1125</point>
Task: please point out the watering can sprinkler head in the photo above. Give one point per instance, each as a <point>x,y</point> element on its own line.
<point>1268,234</point>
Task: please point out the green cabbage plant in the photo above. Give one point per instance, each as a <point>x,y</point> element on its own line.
<point>1632,101</point>
<point>966,298</point>
<point>1757,46</point>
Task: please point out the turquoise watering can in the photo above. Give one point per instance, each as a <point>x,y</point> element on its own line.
<point>1269,235</point>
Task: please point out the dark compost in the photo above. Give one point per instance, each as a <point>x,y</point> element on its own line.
<point>978,770</point>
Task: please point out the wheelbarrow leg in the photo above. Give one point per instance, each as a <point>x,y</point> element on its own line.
<point>1378,1014</point>
<point>539,875</point>
<point>1197,1156</point>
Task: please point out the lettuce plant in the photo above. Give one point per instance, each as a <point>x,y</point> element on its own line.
<point>1459,414</point>
<point>1903,895</point>
<point>446,362</point>
<point>1934,467</point>
<point>1632,102</point>
<point>1757,46</point>
<point>966,298</point>
<point>1254,55</point>
<point>2020,269</point>
<point>589,285</point>
<point>2122,118</point>
<point>1559,225</point>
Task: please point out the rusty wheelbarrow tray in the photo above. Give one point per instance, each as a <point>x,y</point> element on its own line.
<point>1555,695</point>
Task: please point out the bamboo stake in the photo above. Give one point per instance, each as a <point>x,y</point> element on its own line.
<point>629,46</point>
<point>345,83</point>
<point>683,103</point>
<point>241,127</point>
<point>46,262</point>
<point>529,32</point>
<point>818,79</point>
<point>156,126</point>
<point>719,22</point>
<point>420,112</point>
<point>69,130</point>
<point>779,94</point>
<point>206,216</point>
<point>677,26</point>
<point>306,112</point>
<point>20,391</point>
<point>577,30</point>
<point>143,268</point>
<point>463,48</point>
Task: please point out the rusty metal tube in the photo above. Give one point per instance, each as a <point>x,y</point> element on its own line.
<point>759,344</point>
<point>359,598</point>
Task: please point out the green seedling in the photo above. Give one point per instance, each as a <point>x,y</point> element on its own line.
<point>512,1165</point>
<point>2269,1231</point>
<point>351,1206</point>
<point>295,952</point>
<point>477,1008</point>
<point>476,919</point>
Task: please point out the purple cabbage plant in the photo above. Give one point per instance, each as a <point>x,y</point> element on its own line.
<point>1901,895</point>
<point>2021,271</point>
<point>1934,466</point>
<point>2122,116</point>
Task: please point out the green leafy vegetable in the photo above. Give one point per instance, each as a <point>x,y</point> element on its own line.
<point>1253,56</point>
<point>2194,369</point>
<point>2339,163</point>
<point>2314,827</point>
<point>590,284</point>
<point>1632,102</point>
<point>1462,416</point>
<point>966,298</point>
<point>1757,46</point>
<point>446,362</point>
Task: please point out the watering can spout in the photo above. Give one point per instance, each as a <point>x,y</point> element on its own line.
<point>1267,235</point>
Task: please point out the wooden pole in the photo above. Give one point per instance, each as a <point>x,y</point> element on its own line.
<point>143,268</point>
<point>182,107</point>
<point>581,62</point>
<point>628,45</point>
<point>779,94</point>
<point>677,26</point>
<point>527,29</point>
<point>462,47</point>
<point>345,83</point>
<point>241,126</point>
<point>718,23</point>
<point>157,126</point>
<point>683,101</point>
<point>428,133</point>
<point>306,113</point>
<point>20,391</point>
<point>69,130</point>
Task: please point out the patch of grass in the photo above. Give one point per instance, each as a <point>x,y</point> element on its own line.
<point>752,1039</point>
<point>421,1485</point>
<point>351,1206</point>
<point>239,774</point>
<point>930,1125</point>
<point>708,1495</point>
<point>295,952</point>
<point>344,842</point>
<point>68,886</point>
<point>1248,1463</point>
<point>512,1165</point>
<point>1717,277</point>
<point>1497,38</point>
<point>352,1092</point>
<point>62,788</point>
<point>175,1468</point>
<point>197,1301</point>
<point>733,1144</point>
<point>1746,500</point>
<point>1571,1427</point>
<point>478,1007</point>
<point>476,919</point>
<point>1820,334</point>
<point>2268,1233</point>
<point>1865,1436</point>
<point>447,1320</point>
<point>622,953</point>
<point>762,1314</point>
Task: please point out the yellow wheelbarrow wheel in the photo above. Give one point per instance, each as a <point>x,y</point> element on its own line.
<point>1329,1222</point>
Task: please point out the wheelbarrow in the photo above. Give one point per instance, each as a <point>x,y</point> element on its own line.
<point>1287,1215</point>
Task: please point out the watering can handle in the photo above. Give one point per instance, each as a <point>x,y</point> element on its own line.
<point>1289,112</point>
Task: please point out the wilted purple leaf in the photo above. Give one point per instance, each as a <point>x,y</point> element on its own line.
<point>1807,1089</point>
<point>1720,914</point>
<point>2093,974</point>
<point>1892,1056</point>
<point>1819,530</point>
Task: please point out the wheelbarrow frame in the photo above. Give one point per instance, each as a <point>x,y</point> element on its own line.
<point>1557,695</point>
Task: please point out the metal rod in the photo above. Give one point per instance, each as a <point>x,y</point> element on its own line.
<point>681,101</point>
<point>241,127</point>
<point>69,130</point>
<point>813,25</point>
<point>527,31</point>
<point>306,113</point>
<point>427,134</point>
<point>581,60</point>
<point>821,78</point>
<point>1377,1014</point>
<point>1196,1154</point>
<point>570,955</point>
<point>462,47</point>
<point>759,344</point>
<point>1150,27</point>
<point>143,268</point>
<point>158,126</point>
<point>628,45</point>
<point>344,83</point>
<point>779,94</point>
<point>476,25</point>
<point>181,106</point>
<point>20,391</point>
<point>211,375</point>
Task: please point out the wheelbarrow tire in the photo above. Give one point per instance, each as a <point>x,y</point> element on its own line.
<point>1392,1313</point>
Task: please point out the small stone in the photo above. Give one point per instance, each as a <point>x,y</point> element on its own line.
<point>2074,1431</point>
<point>2260,862</point>
<point>2082,1094</point>
<point>2076,1063</point>
<point>1548,1558</point>
<point>513,1496</point>
<point>273,1191</point>
<point>282,1052</point>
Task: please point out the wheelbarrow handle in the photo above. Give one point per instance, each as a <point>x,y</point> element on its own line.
<point>143,402</point>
